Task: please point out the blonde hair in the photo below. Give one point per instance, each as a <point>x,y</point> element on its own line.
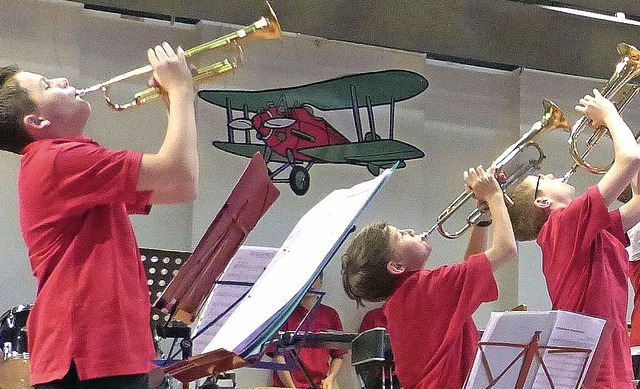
<point>527,219</point>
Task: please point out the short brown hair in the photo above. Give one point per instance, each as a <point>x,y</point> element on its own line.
<point>364,265</point>
<point>15,103</point>
<point>527,219</point>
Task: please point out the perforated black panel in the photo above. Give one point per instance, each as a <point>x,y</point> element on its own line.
<point>161,267</point>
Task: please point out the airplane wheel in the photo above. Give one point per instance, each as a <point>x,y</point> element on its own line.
<point>373,169</point>
<point>299,180</point>
<point>369,136</point>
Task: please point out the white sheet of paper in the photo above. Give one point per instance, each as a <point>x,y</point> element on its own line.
<point>313,240</point>
<point>577,331</point>
<point>247,265</point>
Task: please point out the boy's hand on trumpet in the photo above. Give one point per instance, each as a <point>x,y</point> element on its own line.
<point>482,183</point>
<point>596,108</point>
<point>170,71</point>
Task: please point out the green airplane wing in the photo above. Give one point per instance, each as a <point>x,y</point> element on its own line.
<point>372,152</point>
<point>379,87</point>
<point>248,150</point>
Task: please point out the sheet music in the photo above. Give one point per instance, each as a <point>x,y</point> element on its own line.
<point>246,266</point>
<point>558,328</point>
<point>570,331</point>
<point>296,264</point>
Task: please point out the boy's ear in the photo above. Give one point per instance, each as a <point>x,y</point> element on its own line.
<point>542,202</point>
<point>34,123</point>
<point>395,268</point>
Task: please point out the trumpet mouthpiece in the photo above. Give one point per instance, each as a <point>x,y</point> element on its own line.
<point>425,235</point>
<point>82,92</point>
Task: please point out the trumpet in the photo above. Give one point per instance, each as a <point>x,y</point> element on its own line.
<point>619,92</point>
<point>267,27</point>
<point>552,119</point>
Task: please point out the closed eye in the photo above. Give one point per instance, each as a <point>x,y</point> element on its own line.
<point>46,83</point>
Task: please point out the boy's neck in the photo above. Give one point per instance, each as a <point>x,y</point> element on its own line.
<point>308,301</point>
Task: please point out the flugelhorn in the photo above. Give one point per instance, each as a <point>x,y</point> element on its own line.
<point>620,92</point>
<point>552,119</point>
<point>267,27</point>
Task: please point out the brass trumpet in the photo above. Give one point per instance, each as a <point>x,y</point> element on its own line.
<point>619,92</point>
<point>552,119</point>
<point>267,27</point>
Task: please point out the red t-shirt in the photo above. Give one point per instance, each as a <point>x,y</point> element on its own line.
<point>315,360</point>
<point>585,264</point>
<point>433,335</point>
<point>372,319</point>
<point>92,303</point>
<point>634,277</point>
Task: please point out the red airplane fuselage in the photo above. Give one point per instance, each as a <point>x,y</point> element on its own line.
<point>304,131</point>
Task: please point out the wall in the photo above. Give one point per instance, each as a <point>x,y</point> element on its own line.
<point>466,117</point>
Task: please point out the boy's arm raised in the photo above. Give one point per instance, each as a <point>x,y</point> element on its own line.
<point>626,152</point>
<point>630,211</point>
<point>486,189</point>
<point>172,172</point>
<point>503,247</point>
<point>477,241</point>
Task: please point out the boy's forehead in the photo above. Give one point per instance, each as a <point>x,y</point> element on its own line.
<point>27,79</point>
<point>531,180</point>
<point>389,229</point>
<point>394,233</point>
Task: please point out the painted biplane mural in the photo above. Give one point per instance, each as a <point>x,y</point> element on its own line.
<point>290,133</point>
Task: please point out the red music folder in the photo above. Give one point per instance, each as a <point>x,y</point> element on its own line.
<point>248,202</point>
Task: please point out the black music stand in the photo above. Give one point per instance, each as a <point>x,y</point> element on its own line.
<point>161,266</point>
<point>372,358</point>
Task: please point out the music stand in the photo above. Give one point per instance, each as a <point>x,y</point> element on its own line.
<point>309,247</point>
<point>244,269</point>
<point>290,345</point>
<point>522,349</point>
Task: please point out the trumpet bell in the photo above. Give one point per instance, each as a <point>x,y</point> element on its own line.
<point>619,89</point>
<point>203,69</point>
<point>509,170</point>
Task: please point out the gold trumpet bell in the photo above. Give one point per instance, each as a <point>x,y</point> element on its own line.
<point>619,89</point>
<point>204,68</point>
<point>509,169</point>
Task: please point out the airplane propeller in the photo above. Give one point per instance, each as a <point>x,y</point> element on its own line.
<point>277,123</point>
<point>241,124</point>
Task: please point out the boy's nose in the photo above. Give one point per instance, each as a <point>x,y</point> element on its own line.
<point>62,82</point>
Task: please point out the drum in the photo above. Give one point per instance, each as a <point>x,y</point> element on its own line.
<point>13,331</point>
<point>14,373</point>
<point>14,366</point>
